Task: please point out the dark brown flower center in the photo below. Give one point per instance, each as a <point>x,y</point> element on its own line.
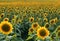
<point>31,20</point>
<point>6,27</point>
<point>31,30</point>
<point>58,28</point>
<point>42,32</point>
<point>52,21</point>
<point>35,25</point>
<point>2,15</point>
<point>6,19</point>
<point>47,25</point>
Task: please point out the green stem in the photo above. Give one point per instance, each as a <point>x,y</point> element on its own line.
<point>56,38</point>
<point>6,38</point>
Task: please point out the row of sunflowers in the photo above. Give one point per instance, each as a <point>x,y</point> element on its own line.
<point>30,23</point>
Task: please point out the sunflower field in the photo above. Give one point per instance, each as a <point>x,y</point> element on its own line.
<point>29,21</point>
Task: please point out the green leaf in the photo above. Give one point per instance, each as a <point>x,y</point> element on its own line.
<point>30,37</point>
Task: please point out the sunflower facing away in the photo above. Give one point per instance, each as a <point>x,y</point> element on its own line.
<point>42,33</point>
<point>6,27</point>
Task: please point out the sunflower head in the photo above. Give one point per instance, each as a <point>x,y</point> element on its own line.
<point>58,34</point>
<point>35,25</point>
<point>6,27</point>
<point>45,20</point>
<point>45,14</point>
<point>8,15</point>
<point>31,19</point>
<point>42,33</point>
<point>56,20</point>
<point>47,25</point>
<point>9,9</point>
<point>2,15</point>
<point>58,28</point>
<point>14,16</point>
<point>6,19</point>
<point>30,31</point>
<point>52,21</point>
<point>19,21</point>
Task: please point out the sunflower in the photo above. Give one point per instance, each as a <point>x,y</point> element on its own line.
<point>2,15</point>
<point>45,20</point>
<point>45,14</point>
<point>56,20</point>
<point>31,19</point>
<point>58,34</point>
<point>30,31</point>
<point>9,9</point>
<point>58,28</point>
<point>35,25</point>
<point>52,21</point>
<point>42,33</point>
<point>38,19</point>
<point>47,25</point>
<point>6,19</point>
<point>19,21</point>
<point>14,17</point>
<point>6,27</point>
<point>8,15</point>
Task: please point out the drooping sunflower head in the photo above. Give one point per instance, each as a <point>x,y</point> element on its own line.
<point>42,33</point>
<point>6,27</point>
<point>35,25</point>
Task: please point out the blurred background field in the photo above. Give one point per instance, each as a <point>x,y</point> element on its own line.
<point>26,0</point>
